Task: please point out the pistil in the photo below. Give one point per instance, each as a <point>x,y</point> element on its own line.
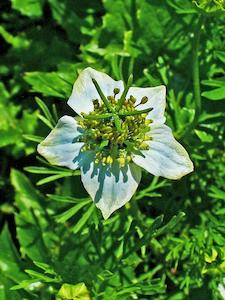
<point>114,135</point>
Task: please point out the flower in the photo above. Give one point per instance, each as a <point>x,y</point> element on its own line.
<point>221,288</point>
<point>119,131</point>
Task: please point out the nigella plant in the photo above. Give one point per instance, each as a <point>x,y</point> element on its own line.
<point>120,130</point>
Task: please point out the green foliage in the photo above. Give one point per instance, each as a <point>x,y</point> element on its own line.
<point>168,241</point>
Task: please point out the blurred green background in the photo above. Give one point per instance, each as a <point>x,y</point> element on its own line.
<point>169,241</point>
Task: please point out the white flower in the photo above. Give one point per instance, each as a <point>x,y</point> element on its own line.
<point>119,132</point>
<point>221,288</point>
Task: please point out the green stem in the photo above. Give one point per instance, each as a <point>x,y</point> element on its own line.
<point>195,74</point>
<point>196,77</point>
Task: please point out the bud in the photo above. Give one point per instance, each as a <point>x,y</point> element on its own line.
<point>116,91</point>
<point>144,100</point>
<point>132,99</point>
<point>96,103</point>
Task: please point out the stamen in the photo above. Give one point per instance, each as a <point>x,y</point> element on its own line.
<point>115,135</point>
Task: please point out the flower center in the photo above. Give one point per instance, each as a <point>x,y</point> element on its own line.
<point>112,142</point>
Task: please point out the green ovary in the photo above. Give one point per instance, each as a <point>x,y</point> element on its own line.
<point>109,143</point>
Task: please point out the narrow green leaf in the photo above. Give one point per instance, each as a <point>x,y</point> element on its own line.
<point>33,138</point>
<point>45,121</point>
<point>83,220</point>
<point>45,110</point>
<point>66,199</point>
<point>52,178</point>
<point>62,218</point>
<point>217,94</point>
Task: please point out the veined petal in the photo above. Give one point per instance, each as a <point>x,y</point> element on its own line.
<point>84,91</point>
<point>110,187</point>
<point>156,100</point>
<point>61,147</point>
<point>165,157</point>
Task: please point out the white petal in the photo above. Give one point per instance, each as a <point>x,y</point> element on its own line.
<point>156,100</point>
<point>221,290</point>
<point>165,157</point>
<point>110,187</point>
<point>84,91</point>
<point>61,147</point>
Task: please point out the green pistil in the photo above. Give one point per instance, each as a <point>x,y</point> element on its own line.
<point>115,135</point>
<point>136,112</point>
<point>98,117</point>
<point>111,143</point>
<point>123,97</point>
<point>102,96</point>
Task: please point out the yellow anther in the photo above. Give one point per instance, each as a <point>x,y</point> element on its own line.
<point>148,138</point>
<point>109,160</point>
<point>105,136</point>
<point>149,121</point>
<point>104,160</point>
<point>129,158</point>
<point>107,128</point>
<point>121,161</point>
<point>144,146</point>
<point>120,139</point>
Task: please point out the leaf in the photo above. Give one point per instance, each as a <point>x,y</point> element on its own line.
<point>41,276</point>
<point>56,177</point>
<point>217,193</point>
<point>46,111</point>
<point>16,41</point>
<point>33,138</point>
<point>31,219</point>
<point>50,84</point>
<point>30,8</point>
<point>62,218</point>
<point>66,199</point>
<point>44,170</point>
<point>171,224</point>
<point>27,196</point>
<point>83,220</point>
<point>221,55</point>
<point>73,292</point>
<point>217,94</point>
<point>10,264</point>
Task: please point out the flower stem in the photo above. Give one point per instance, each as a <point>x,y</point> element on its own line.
<point>196,77</point>
<point>195,74</point>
